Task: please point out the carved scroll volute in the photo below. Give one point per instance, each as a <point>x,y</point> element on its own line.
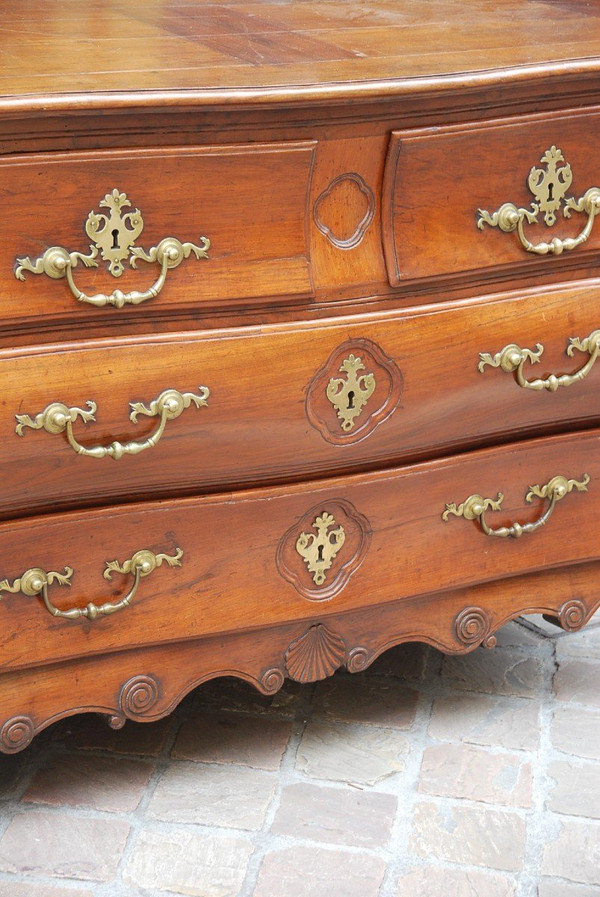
<point>356,389</point>
<point>320,551</point>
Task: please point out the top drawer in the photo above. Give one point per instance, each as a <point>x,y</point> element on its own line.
<point>226,224</point>
<point>438,181</point>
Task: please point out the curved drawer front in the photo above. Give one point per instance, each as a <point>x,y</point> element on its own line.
<point>210,412</point>
<point>234,219</point>
<point>181,569</point>
<point>440,182</point>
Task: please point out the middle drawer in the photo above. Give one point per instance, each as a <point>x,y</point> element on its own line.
<point>212,411</point>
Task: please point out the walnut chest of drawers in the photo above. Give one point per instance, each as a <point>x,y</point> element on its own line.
<point>299,321</point>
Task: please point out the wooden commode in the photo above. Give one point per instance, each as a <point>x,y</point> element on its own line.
<point>299,323</point>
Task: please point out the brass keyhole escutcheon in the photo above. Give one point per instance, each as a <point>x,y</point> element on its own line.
<point>349,395</point>
<point>319,550</point>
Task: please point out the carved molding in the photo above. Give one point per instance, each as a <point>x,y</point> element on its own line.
<point>271,681</point>
<point>357,536</point>
<point>573,614</point>
<point>343,214</point>
<point>315,655</point>
<point>384,400</point>
<point>16,734</point>
<point>473,627</point>
<point>138,696</point>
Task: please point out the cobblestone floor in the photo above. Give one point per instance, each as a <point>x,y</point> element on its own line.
<point>425,776</point>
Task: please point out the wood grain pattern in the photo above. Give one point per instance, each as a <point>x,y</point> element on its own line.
<point>255,427</point>
<point>336,155</point>
<point>228,583</point>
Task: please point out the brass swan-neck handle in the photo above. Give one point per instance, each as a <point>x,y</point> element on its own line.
<point>512,358</point>
<point>475,506</point>
<point>549,187</point>
<point>114,234</point>
<point>59,418</point>
<point>35,582</point>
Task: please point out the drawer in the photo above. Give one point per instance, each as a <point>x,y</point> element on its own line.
<point>236,562</point>
<point>261,406</point>
<point>438,179</point>
<point>250,203</point>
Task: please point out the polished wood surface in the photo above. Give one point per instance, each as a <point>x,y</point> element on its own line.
<point>336,156</point>
<point>394,530</point>
<point>235,50</point>
<point>268,418</point>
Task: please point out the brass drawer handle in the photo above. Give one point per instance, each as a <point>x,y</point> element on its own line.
<point>114,235</point>
<point>35,582</point>
<point>512,358</point>
<point>475,506</point>
<point>58,418</point>
<point>548,187</point>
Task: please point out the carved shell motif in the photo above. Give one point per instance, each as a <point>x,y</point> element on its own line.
<point>315,655</point>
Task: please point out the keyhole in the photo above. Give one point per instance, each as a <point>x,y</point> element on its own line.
<point>320,553</point>
<point>115,242</point>
<point>350,399</point>
<point>550,191</point>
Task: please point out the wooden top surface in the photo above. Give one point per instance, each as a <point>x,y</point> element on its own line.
<point>68,53</point>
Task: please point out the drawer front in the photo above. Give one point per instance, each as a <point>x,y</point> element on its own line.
<point>263,405</point>
<point>438,179</point>
<point>298,553</point>
<point>250,203</point>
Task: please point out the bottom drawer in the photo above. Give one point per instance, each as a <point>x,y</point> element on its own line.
<point>291,582</point>
<point>165,572</point>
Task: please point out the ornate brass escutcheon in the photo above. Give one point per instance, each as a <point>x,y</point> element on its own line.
<point>114,235</point>
<point>58,418</point>
<point>512,358</point>
<point>350,395</point>
<point>320,550</point>
<point>549,188</point>
<point>475,506</point>
<point>36,581</point>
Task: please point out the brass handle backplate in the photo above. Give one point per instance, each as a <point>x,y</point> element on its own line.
<point>475,506</point>
<point>512,358</point>
<point>549,187</point>
<point>36,581</point>
<point>58,418</point>
<point>114,236</point>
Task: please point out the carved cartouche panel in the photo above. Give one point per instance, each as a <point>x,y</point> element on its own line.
<point>357,389</point>
<point>344,211</point>
<point>320,551</point>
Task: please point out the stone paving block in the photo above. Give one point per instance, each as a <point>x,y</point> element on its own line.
<point>315,872</point>
<point>435,881</point>
<point>104,783</point>
<point>356,754</point>
<point>464,771</point>
<point>511,723</point>
<point>575,852</point>
<point>406,661</point>
<point>364,700</point>
<point>474,836</point>
<point>576,788</point>
<point>90,731</point>
<point>515,635</point>
<point>185,862</point>
<point>230,796</point>
<point>61,846</point>
<point>233,738</point>
<point>236,695</point>
<point>335,815</point>
<point>582,645</point>
<point>496,672</point>
<point>553,887</point>
<point>578,680</point>
<point>20,889</point>
<point>574,732</point>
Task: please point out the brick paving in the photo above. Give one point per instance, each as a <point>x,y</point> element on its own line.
<point>424,776</point>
